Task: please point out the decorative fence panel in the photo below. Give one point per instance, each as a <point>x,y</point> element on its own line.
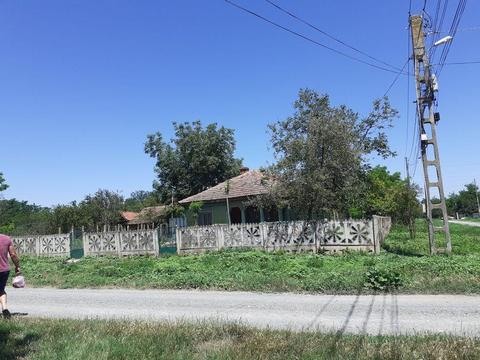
<point>314,236</point>
<point>43,245</point>
<point>132,242</point>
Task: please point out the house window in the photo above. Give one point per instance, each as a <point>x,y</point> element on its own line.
<point>205,218</point>
<point>252,214</point>
<point>236,215</point>
<point>270,214</point>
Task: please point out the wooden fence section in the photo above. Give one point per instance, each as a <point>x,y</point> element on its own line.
<point>43,245</point>
<point>366,235</point>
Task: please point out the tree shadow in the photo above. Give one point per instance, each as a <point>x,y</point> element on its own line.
<point>15,346</point>
<point>321,311</point>
<point>332,350</point>
<point>400,251</point>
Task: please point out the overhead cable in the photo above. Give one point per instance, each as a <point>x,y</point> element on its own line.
<point>296,17</point>
<point>293,32</point>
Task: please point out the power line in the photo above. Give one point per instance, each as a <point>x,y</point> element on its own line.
<point>396,77</point>
<point>408,89</point>
<point>461,63</point>
<point>438,29</point>
<point>293,32</point>
<point>453,30</point>
<point>328,35</point>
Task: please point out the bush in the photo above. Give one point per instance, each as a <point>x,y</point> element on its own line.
<point>382,280</point>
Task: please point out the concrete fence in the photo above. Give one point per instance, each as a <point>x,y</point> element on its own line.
<point>366,235</point>
<point>43,245</point>
<point>120,243</point>
<point>131,242</point>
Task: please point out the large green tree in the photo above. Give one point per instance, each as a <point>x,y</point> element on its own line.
<point>196,158</point>
<point>322,151</point>
<point>102,208</point>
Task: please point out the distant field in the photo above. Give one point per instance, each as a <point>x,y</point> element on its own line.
<point>403,266</point>
<point>98,340</point>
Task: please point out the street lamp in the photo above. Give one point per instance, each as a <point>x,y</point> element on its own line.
<point>443,40</point>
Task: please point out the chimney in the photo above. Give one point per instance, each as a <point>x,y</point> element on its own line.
<point>243,170</point>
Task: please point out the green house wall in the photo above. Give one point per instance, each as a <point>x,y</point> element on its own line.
<point>219,212</point>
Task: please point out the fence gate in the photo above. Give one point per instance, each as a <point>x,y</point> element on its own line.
<point>167,239</point>
<point>76,244</point>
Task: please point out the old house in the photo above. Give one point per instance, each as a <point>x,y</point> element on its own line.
<point>233,197</point>
<point>147,218</point>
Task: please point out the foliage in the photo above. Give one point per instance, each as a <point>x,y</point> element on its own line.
<point>99,209</point>
<point>141,199</point>
<point>321,153</point>
<point>174,210</point>
<point>195,207</point>
<point>280,271</point>
<point>18,216</point>
<point>382,280</point>
<point>104,206</point>
<point>465,202</point>
<point>63,339</point>
<point>199,158</point>
<point>388,195</point>
<point>3,184</point>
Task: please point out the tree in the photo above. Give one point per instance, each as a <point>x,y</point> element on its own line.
<point>102,208</point>
<point>199,157</point>
<point>196,207</point>
<point>22,218</point>
<point>322,152</point>
<point>141,199</point>
<point>465,202</point>
<point>389,195</point>
<point>3,184</point>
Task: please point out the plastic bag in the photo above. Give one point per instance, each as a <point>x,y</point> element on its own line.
<point>18,282</point>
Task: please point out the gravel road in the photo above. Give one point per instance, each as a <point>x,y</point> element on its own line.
<point>461,222</point>
<point>379,314</point>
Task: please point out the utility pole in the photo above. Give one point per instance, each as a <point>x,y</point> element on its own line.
<point>407,168</point>
<point>476,194</point>
<point>410,213</point>
<point>427,119</point>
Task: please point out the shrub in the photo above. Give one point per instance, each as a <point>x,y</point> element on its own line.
<point>382,280</point>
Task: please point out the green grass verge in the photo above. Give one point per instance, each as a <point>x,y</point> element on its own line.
<point>404,263</point>
<point>97,340</point>
<point>471,219</point>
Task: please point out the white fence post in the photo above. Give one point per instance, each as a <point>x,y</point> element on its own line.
<point>178,239</point>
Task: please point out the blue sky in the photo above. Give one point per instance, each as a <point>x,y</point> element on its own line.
<point>83,82</point>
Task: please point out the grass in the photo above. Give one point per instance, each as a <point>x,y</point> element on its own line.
<point>471,219</point>
<point>98,340</point>
<point>403,266</point>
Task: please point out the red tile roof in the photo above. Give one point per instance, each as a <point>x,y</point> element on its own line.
<point>247,184</point>
<point>129,215</point>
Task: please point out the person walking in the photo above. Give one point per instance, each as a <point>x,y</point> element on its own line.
<point>6,248</point>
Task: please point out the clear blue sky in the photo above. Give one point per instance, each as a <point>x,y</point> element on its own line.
<point>83,82</point>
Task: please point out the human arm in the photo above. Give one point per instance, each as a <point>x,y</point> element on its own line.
<point>14,257</point>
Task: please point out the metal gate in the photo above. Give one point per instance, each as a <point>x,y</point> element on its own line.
<point>76,244</point>
<point>167,239</point>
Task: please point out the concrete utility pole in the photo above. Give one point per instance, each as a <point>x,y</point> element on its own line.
<point>427,119</point>
<point>476,194</point>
